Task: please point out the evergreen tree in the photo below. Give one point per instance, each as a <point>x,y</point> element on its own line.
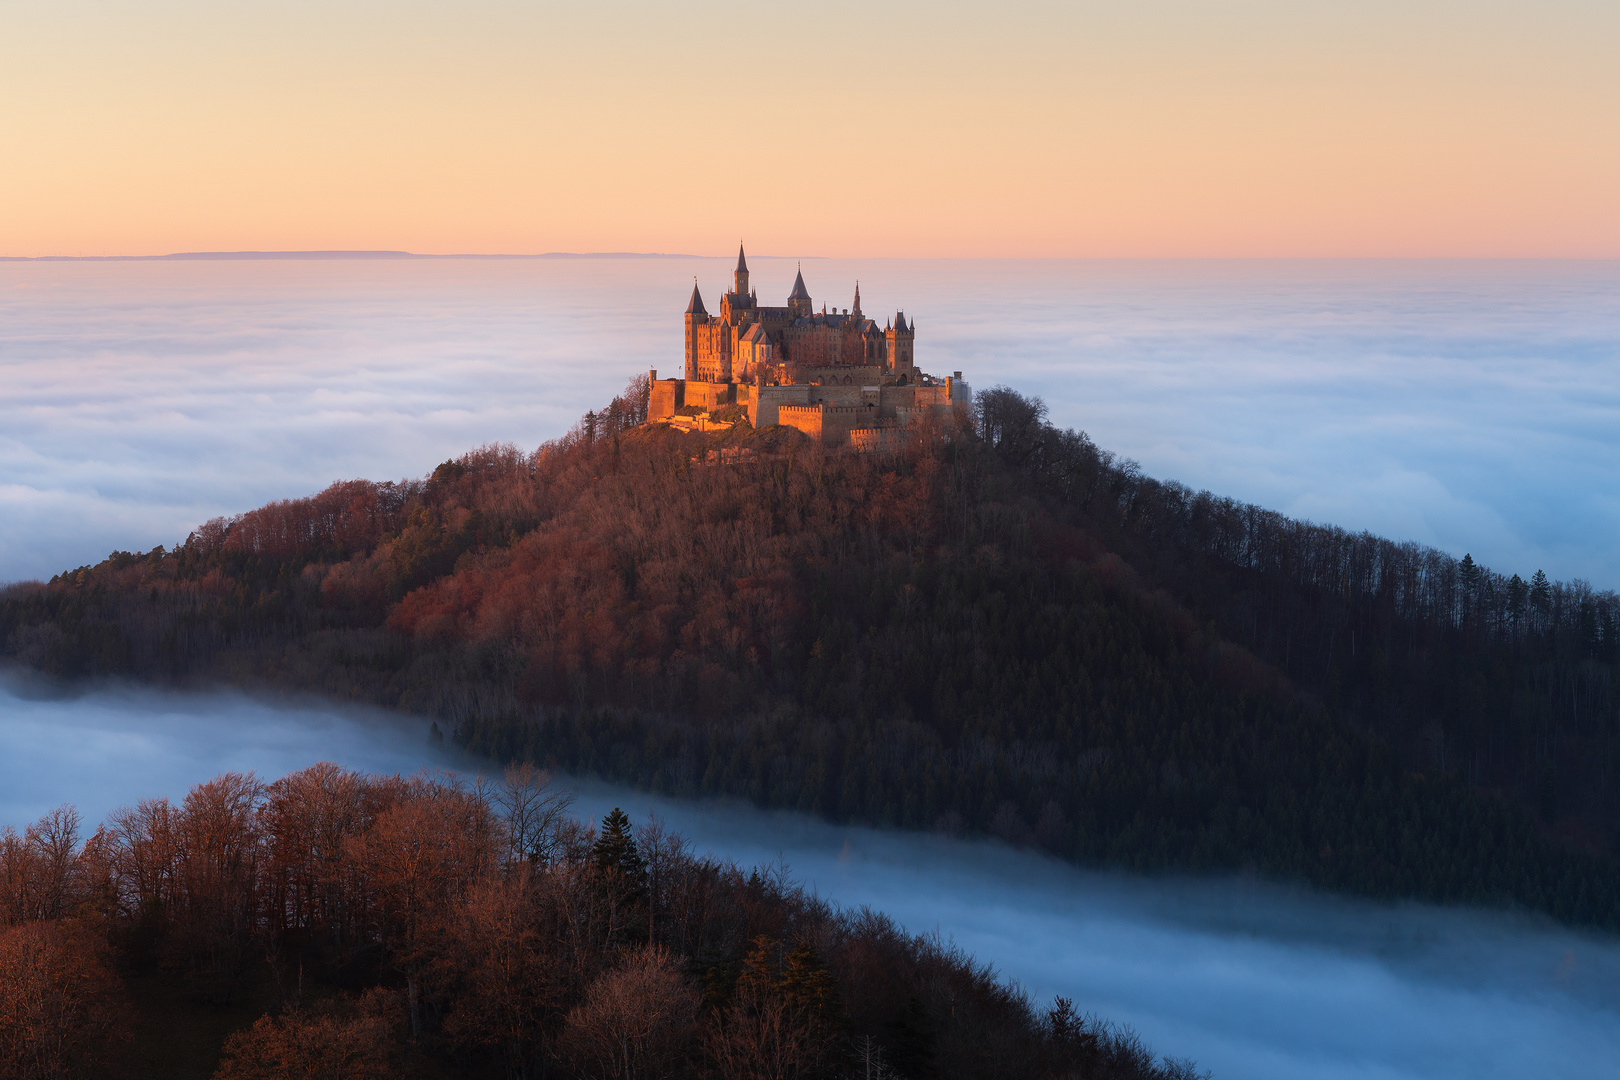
<point>913,1042</point>
<point>1540,590</point>
<point>1468,574</point>
<point>809,986</point>
<point>615,851</point>
<point>1518,596</point>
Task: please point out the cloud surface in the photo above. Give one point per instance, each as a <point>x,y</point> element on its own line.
<point>1474,406</point>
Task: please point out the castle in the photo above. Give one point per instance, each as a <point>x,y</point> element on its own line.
<point>833,375</point>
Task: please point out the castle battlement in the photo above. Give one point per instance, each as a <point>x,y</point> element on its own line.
<point>827,373</point>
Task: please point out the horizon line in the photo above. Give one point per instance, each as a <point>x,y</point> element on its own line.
<point>360,254</point>
<point>346,254</point>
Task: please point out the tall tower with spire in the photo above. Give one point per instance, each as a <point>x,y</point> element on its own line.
<point>739,280</point>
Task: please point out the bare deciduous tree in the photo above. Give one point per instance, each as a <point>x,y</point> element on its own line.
<point>533,810</point>
<point>634,1020</point>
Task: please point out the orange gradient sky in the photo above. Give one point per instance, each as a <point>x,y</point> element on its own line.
<point>1187,128</point>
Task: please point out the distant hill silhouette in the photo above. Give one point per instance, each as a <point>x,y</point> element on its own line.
<point>249,256</point>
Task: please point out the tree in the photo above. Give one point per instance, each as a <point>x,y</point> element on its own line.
<point>809,987</point>
<point>60,1014</point>
<point>784,1019</point>
<point>1010,423</point>
<point>1468,575</point>
<point>512,984</point>
<point>1540,592</point>
<point>634,1020</point>
<point>533,810</point>
<point>1518,594</point>
<point>621,873</point>
<point>661,852</point>
<point>306,1045</point>
<point>913,1041</point>
<point>615,852</point>
<point>418,860</point>
<point>216,871</point>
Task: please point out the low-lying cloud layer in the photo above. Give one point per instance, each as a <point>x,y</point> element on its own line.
<point>1251,979</point>
<point>1475,406</point>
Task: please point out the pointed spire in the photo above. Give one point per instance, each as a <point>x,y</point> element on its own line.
<point>900,321</point>
<point>696,306</point>
<point>857,308</point>
<point>799,291</point>
<point>742,263</point>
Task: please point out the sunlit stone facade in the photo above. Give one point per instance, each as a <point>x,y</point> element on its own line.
<point>831,374</point>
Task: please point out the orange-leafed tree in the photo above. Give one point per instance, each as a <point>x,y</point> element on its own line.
<point>314,1045</point>
<point>416,864</point>
<point>61,1014</point>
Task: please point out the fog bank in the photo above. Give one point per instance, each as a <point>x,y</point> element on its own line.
<point>1471,405</point>
<point>1250,979</point>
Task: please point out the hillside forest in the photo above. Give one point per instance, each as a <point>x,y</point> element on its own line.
<point>340,926</point>
<point>999,629</point>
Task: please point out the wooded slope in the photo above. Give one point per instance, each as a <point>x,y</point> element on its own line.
<point>332,924</point>
<point>1001,629</point>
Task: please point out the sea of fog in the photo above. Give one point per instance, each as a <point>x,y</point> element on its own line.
<point>1470,405</point>
<point>1252,980</point>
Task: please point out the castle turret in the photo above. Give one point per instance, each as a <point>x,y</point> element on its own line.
<point>696,316</point>
<point>856,310</point>
<point>799,299</point>
<point>901,340</point>
<point>739,280</point>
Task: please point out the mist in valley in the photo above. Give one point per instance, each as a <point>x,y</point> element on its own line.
<point>1249,978</point>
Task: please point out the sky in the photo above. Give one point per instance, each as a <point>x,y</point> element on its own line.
<point>1252,980</point>
<point>1029,128</point>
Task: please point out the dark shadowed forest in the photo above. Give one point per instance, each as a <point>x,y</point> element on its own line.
<point>1000,629</point>
<point>347,927</point>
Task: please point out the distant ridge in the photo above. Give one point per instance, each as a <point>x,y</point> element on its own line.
<point>184,256</point>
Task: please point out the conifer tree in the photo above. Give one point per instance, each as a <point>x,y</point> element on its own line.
<point>809,986</point>
<point>1540,590</point>
<point>615,850</point>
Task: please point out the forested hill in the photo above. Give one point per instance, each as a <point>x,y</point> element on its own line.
<point>1001,629</point>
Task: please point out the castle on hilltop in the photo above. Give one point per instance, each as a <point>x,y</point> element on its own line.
<point>834,375</point>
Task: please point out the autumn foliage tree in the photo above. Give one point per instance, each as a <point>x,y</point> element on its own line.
<point>61,1013</point>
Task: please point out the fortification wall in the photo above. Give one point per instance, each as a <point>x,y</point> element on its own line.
<point>831,424</point>
<point>841,375</point>
<point>709,395</point>
<point>807,418</point>
<point>848,407</point>
<point>765,401</point>
<point>877,440</point>
<point>664,397</point>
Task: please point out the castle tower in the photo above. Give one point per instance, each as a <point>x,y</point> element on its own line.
<point>739,280</point>
<point>696,316</point>
<point>799,299</point>
<point>855,312</point>
<point>901,340</point>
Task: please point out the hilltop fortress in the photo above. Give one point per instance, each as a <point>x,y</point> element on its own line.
<point>834,375</point>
